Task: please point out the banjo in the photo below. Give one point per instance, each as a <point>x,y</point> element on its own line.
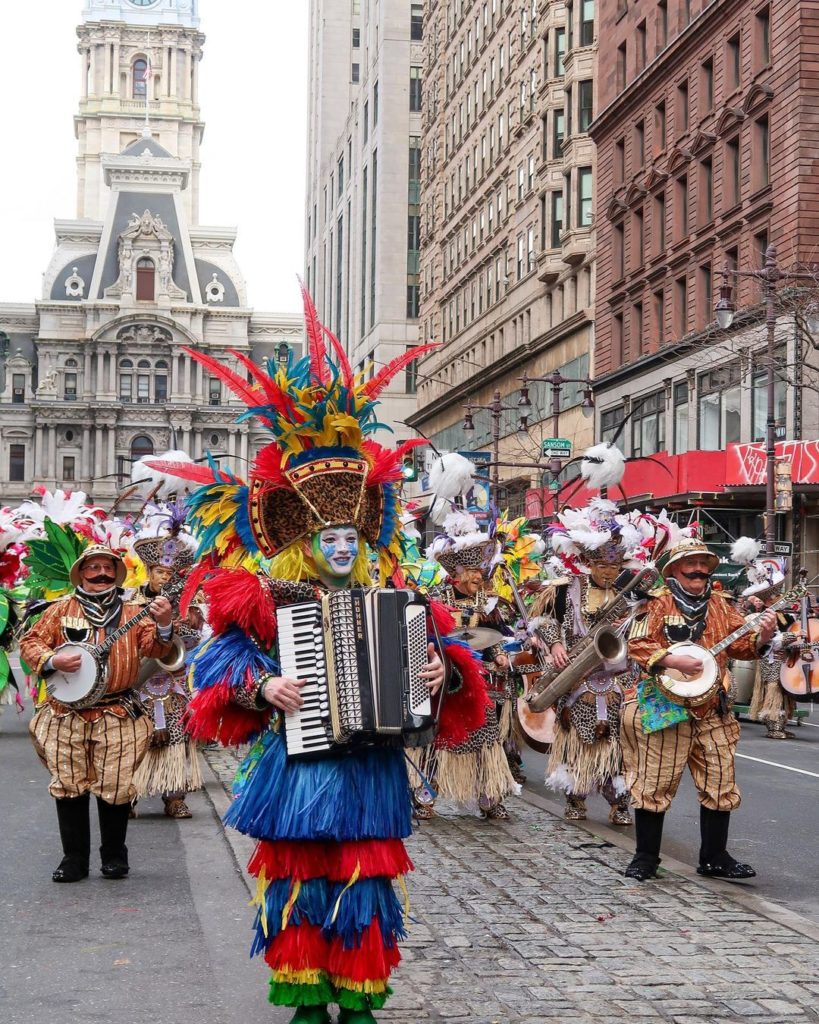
<point>694,691</point>
<point>87,685</point>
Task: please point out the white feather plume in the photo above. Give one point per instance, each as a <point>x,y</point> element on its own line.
<point>149,479</point>
<point>460,523</point>
<point>745,550</point>
<point>603,465</point>
<point>451,475</point>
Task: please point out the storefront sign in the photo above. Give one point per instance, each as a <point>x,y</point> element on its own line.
<point>746,463</point>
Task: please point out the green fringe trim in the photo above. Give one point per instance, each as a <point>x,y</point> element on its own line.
<point>347,999</point>
<point>286,994</point>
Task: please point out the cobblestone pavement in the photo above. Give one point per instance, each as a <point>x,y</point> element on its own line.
<point>531,921</point>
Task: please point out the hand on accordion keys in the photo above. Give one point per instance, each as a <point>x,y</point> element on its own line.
<point>283,692</point>
<point>433,672</point>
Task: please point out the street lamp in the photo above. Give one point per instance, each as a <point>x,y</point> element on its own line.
<point>557,380</point>
<point>769,277</point>
<point>496,409</point>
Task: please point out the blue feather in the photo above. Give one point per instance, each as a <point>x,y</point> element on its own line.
<point>228,658</point>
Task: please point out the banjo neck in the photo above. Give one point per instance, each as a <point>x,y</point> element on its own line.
<point>753,621</point>
<point>102,650</point>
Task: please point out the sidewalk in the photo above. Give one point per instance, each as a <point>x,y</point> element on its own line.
<point>531,921</point>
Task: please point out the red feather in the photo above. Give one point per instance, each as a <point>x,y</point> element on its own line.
<point>347,375</point>
<point>239,597</point>
<point>337,862</point>
<point>374,387</point>
<point>268,466</point>
<point>281,402</point>
<point>386,463</point>
<point>196,472</point>
<point>315,340</point>
<point>213,717</point>
<point>251,396</point>
<point>193,581</point>
<point>463,712</point>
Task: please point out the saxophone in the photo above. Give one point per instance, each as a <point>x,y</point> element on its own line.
<point>601,644</point>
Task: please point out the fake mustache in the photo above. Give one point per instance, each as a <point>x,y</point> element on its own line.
<point>696,575</point>
<point>101,579</point>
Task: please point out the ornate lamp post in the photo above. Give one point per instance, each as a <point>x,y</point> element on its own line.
<point>496,409</point>
<point>556,380</point>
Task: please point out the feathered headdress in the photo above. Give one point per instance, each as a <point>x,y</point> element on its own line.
<point>463,544</point>
<point>763,574</point>
<point>322,467</point>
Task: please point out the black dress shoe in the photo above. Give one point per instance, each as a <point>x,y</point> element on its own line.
<point>732,870</point>
<point>69,871</point>
<point>642,868</point>
<point>115,869</point>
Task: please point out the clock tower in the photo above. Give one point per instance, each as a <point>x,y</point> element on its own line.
<point>137,57</point>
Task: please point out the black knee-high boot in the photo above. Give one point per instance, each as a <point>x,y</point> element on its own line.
<point>648,826</point>
<point>714,857</point>
<point>113,827</point>
<point>75,836</point>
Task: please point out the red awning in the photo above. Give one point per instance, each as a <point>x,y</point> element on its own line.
<point>745,463</point>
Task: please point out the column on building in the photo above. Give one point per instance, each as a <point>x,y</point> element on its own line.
<point>87,384</point>
<point>97,452</point>
<point>38,452</point>
<point>85,455</point>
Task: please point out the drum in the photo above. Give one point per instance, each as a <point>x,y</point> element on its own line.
<point>691,691</point>
<point>537,727</point>
<point>744,676</point>
<point>82,688</point>
<point>478,637</point>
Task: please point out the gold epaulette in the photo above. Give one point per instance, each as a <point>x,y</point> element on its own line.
<point>639,628</point>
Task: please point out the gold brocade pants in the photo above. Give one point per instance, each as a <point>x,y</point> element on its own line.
<point>98,757</point>
<point>654,762</point>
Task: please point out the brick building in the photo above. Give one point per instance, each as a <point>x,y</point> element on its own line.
<point>706,136</point>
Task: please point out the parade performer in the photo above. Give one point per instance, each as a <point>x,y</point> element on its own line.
<point>476,770</point>
<point>97,749</point>
<point>661,737</point>
<point>770,702</point>
<point>171,766</point>
<point>329,830</point>
<point>594,545</point>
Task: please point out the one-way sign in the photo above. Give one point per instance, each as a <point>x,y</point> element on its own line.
<point>557,447</point>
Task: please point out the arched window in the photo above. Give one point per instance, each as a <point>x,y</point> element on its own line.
<point>161,364</point>
<point>145,285</point>
<point>140,85</point>
<point>126,364</point>
<point>143,364</point>
<point>141,446</point>
<point>71,363</point>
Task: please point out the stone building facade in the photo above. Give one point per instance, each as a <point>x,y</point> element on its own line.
<point>94,374</point>
<point>507,261</point>
<point>706,149</point>
<point>362,213</point>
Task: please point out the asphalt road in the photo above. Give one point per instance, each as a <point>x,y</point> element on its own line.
<point>775,829</point>
<point>168,944</point>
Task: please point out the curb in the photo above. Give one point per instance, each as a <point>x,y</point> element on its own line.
<point>241,847</point>
<point>747,900</point>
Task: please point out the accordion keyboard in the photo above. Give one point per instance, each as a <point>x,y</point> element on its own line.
<point>301,656</point>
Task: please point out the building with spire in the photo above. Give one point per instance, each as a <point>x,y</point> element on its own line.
<point>93,374</point>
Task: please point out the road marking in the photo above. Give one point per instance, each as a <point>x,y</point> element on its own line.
<point>775,764</point>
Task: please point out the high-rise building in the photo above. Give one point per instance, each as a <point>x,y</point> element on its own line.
<point>94,375</point>
<point>362,221</point>
<point>705,144</point>
<point>507,265</point>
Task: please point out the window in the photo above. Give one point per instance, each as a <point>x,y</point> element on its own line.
<point>660,129</point>
<point>719,407</point>
<point>621,66</point>
<point>586,103</point>
<point>68,467</point>
<point>619,161</point>
<point>567,98</point>
<point>681,306</point>
<point>760,398</point>
<point>685,12</point>
<point>143,389</point>
<point>733,172</point>
<point>733,69</point>
<point>637,329</point>
<point>706,295</point>
<point>214,391</point>
<point>415,89</point>
<point>706,191</point>
<point>557,218</point>
<point>356,38</point>
<point>682,206</point>
<point>587,22</point>
<point>413,301</point>
<point>658,313</point>
<point>145,280</point>
<point>141,446</point>
<point>659,223</point>
<point>641,46</point>
<point>760,248</point>
<point>355,74</point>
<point>340,177</point>
<point>681,418</point>
<point>70,387</point>
<point>411,375</point>
<point>639,237</point>
<point>584,196</point>
<point>365,127</point>
<point>530,248</point>
<point>762,41</point>
<point>707,85</point>
<point>619,258</point>
<point>662,25</point>
<point>639,144</point>
<point>761,153</point>
<point>618,346</point>
<point>520,258</point>
<point>560,52</point>
<point>610,421</point>
<point>682,106</point>
<point>139,85</point>
<point>17,463</point>
<point>570,24</point>
<point>18,389</point>
<point>161,387</point>
<point>375,104</point>
<point>648,425</point>
<point>126,387</point>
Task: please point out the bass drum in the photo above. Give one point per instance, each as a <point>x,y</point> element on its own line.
<point>744,676</point>
<point>537,727</point>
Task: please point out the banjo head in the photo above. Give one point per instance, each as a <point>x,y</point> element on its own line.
<point>687,690</point>
<point>74,687</point>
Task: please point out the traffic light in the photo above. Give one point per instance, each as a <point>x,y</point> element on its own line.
<point>783,486</point>
<point>409,468</point>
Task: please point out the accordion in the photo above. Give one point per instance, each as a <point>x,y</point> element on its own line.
<point>359,654</point>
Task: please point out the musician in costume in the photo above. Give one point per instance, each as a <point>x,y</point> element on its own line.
<point>171,766</point>
<point>594,544</point>
<point>329,829</point>
<point>477,769</point>
<point>661,737</point>
<point>98,749</point>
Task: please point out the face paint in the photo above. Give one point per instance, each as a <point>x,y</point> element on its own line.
<point>335,551</point>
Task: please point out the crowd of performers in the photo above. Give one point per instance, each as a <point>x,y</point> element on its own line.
<point>207,583</point>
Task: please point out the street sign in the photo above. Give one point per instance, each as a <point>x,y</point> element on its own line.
<point>781,547</point>
<point>557,447</point>
<point>481,461</point>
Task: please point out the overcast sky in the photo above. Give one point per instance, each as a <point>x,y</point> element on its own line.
<point>253,95</point>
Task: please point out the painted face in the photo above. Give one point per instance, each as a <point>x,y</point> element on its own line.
<point>468,581</point>
<point>335,551</point>
<point>692,573</point>
<point>604,574</point>
<point>98,574</point>
<point>158,576</point>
